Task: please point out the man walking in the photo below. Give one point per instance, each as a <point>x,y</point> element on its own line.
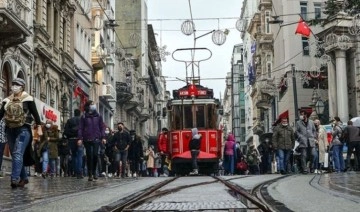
<point>306,133</point>
<point>352,135</point>
<point>283,142</point>
<point>77,150</point>
<point>121,142</point>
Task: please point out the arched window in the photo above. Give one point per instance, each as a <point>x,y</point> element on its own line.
<point>56,103</point>
<point>48,93</point>
<point>21,75</point>
<point>6,77</point>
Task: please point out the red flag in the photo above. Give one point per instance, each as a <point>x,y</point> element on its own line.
<point>77,91</point>
<point>303,28</point>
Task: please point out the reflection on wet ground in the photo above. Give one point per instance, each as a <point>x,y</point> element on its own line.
<point>348,183</point>
<point>38,189</point>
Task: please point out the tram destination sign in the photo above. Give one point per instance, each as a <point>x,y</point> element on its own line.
<point>199,93</point>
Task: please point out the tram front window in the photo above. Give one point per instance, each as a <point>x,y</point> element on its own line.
<point>200,116</point>
<point>188,118</point>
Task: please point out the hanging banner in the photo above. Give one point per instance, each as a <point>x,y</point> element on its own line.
<point>46,112</point>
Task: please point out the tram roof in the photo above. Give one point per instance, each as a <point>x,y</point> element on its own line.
<point>195,101</point>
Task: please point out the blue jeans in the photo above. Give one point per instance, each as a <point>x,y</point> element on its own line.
<point>337,152</point>
<point>45,160</point>
<point>284,155</point>
<point>2,147</point>
<point>77,153</point>
<point>52,162</point>
<point>121,156</point>
<point>229,164</point>
<point>194,155</point>
<point>18,139</point>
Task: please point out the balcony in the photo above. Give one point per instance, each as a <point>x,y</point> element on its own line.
<point>258,129</point>
<point>109,92</point>
<point>123,92</point>
<point>13,22</point>
<point>144,115</point>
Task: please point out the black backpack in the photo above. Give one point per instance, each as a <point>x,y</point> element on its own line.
<point>71,130</point>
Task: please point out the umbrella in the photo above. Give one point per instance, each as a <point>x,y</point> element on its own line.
<point>356,121</point>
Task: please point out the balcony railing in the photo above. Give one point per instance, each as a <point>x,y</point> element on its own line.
<point>109,92</point>
<point>123,92</point>
<point>14,21</point>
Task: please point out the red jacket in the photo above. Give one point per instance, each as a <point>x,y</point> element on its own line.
<point>162,143</point>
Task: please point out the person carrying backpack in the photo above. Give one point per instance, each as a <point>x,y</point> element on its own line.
<point>77,150</point>
<point>19,111</point>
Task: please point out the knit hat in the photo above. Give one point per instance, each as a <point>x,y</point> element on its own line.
<point>19,81</point>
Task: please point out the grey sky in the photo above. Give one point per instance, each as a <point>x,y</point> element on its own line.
<point>169,33</point>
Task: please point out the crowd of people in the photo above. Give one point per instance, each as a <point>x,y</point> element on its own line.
<point>305,149</point>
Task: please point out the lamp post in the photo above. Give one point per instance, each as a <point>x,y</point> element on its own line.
<point>64,107</point>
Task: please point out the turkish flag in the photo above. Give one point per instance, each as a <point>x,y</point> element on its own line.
<point>303,28</point>
<point>77,91</point>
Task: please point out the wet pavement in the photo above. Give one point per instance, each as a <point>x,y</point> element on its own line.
<point>334,192</point>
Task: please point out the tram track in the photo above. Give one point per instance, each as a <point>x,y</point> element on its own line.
<point>250,200</point>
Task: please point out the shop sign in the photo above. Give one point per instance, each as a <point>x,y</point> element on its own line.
<point>47,112</point>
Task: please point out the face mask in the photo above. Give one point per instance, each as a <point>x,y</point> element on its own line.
<point>92,108</point>
<point>47,125</point>
<point>301,117</point>
<point>284,124</point>
<point>16,89</point>
<point>267,140</point>
<point>107,132</point>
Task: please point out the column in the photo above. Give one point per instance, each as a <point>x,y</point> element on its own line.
<point>333,109</point>
<point>341,82</point>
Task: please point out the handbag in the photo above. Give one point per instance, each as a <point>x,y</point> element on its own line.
<point>274,165</point>
<point>242,166</point>
<point>326,160</point>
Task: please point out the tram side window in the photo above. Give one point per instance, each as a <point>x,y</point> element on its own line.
<point>200,116</point>
<point>176,122</point>
<point>211,116</point>
<point>188,117</point>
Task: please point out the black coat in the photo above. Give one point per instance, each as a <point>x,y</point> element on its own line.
<point>135,150</point>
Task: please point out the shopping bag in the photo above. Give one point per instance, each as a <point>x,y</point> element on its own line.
<point>274,165</point>
<point>326,160</point>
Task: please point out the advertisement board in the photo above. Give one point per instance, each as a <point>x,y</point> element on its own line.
<point>47,112</point>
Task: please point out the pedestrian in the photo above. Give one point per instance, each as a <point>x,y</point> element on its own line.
<point>91,133</point>
<point>150,163</point>
<point>194,147</point>
<point>121,143</point>
<point>321,144</point>
<point>229,155</point>
<point>19,111</point>
<point>265,150</point>
<point>283,141</point>
<point>51,137</point>
<point>36,146</point>
<point>71,130</point>
<point>2,145</point>
<point>64,153</point>
<point>306,134</point>
<point>108,153</point>
<point>135,154</point>
<point>162,146</point>
<point>253,160</point>
<point>337,145</point>
<point>352,135</point>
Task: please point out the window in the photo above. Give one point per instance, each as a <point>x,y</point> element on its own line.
<point>200,116</point>
<point>268,65</point>
<point>305,45</point>
<point>317,8</point>
<point>37,87</point>
<point>188,121</point>
<point>48,93</point>
<point>56,28</point>
<point>64,35</point>
<point>49,9</point>
<point>303,10</point>
<point>267,24</point>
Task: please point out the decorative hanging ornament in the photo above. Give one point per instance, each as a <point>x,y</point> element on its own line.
<point>218,37</point>
<point>314,72</point>
<point>119,53</point>
<point>188,27</point>
<point>324,59</point>
<point>134,39</point>
<point>161,52</point>
<point>240,25</point>
<point>102,51</point>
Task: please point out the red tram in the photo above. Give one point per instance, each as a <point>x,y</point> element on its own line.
<point>194,106</point>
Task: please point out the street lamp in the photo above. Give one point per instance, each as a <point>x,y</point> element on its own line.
<point>320,106</point>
